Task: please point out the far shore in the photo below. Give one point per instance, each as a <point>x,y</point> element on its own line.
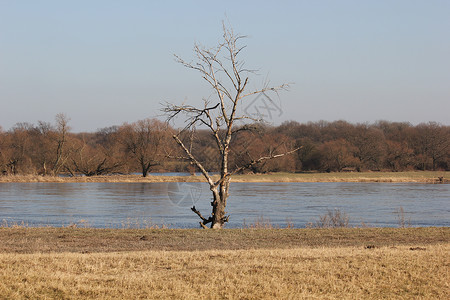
<point>394,177</point>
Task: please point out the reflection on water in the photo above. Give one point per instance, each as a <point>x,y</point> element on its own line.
<point>141,204</point>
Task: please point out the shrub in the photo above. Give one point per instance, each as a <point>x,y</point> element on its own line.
<point>332,219</point>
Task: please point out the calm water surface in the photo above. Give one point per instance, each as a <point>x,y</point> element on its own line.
<point>120,205</point>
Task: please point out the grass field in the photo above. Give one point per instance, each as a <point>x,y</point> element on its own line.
<point>348,263</point>
<point>419,176</point>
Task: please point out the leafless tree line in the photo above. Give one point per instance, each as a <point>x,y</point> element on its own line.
<point>147,145</point>
<point>50,149</point>
<point>390,146</point>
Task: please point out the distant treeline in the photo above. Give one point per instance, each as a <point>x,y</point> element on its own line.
<point>147,145</point>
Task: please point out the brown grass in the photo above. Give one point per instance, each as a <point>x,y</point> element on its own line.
<point>332,273</point>
<point>89,240</point>
<point>103,178</point>
<point>372,263</point>
<point>419,176</point>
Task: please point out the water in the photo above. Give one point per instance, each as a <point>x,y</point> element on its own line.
<point>119,205</point>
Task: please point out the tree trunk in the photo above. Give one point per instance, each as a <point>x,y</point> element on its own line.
<point>145,168</point>
<point>219,204</point>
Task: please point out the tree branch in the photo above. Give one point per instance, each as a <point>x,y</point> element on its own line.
<point>253,162</point>
<point>195,161</point>
<point>205,221</point>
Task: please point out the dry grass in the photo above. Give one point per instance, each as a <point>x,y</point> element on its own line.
<point>81,240</point>
<point>103,178</point>
<point>372,263</point>
<point>419,176</point>
<point>332,273</point>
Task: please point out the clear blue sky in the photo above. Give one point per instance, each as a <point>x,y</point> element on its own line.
<point>108,62</point>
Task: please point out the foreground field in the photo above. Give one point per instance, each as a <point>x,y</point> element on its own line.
<point>342,272</point>
<point>373,263</point>
<point>421,177</point>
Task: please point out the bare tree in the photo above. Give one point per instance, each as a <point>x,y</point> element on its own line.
<point>337,155</point>
<point>144,141</point>
<point>17,148</point>
<point>223,70</point>
<point>60,140</point>
<point>432,145</point>
<point>92,159</point>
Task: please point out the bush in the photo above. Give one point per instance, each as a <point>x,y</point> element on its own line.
<point>332,219</point>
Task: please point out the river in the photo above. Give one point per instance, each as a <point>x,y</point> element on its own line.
<point>124,205</point>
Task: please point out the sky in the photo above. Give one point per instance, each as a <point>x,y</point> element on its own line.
<point>106,62</point>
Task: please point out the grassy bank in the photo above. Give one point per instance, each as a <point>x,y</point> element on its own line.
<point>90,240</point>
<point>372,263</point>
<point>419,176</point>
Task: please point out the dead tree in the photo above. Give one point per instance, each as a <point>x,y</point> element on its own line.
<point>144,140</point>
<point>223,70</point>
<point>61,155</point>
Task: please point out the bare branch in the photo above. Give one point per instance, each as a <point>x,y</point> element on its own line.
<point>284,86</point>
<point>205,221</point>
<point>253,162</point>
<point>246,127</point>
<point>194,160</point>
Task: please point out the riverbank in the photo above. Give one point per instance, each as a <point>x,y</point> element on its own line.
<point>18,239</point>
<point>398,177</point>
<point>348,263</point>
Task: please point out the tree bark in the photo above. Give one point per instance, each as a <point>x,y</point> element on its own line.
<point>219,204</point>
